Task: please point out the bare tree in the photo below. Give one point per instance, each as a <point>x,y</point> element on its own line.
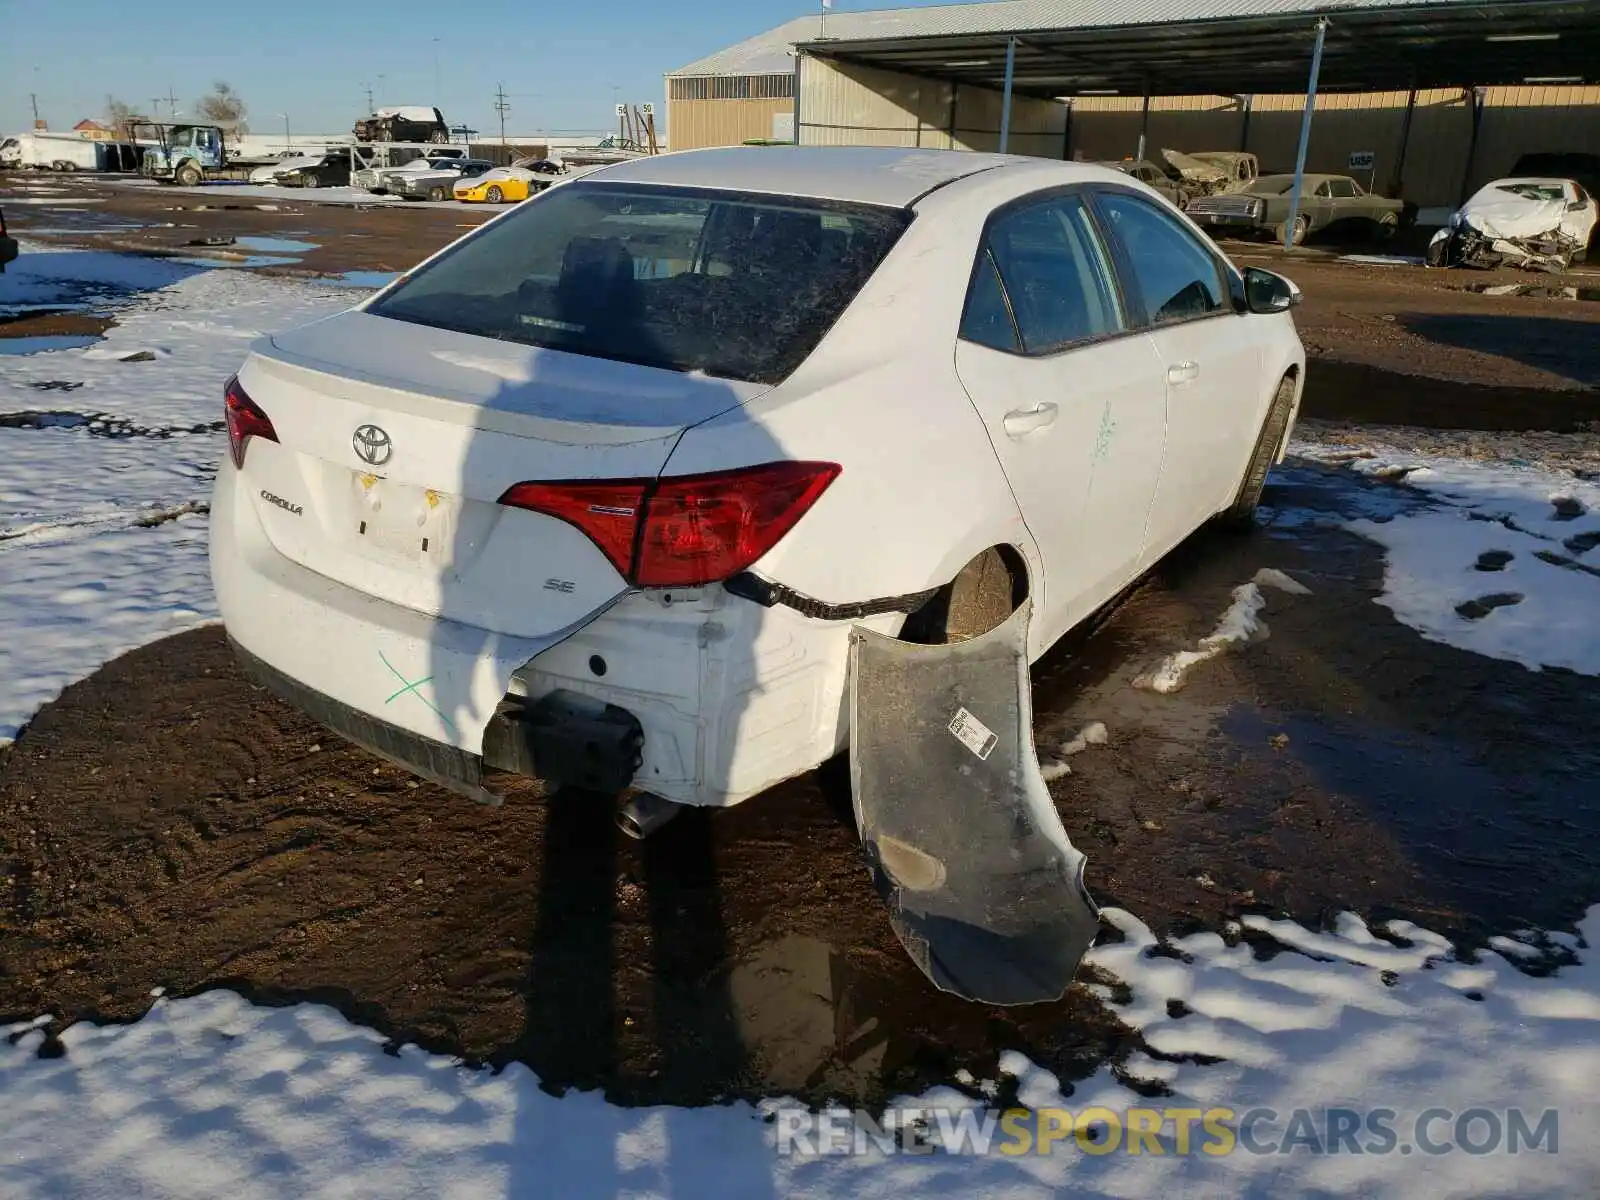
<point>121,117</point>
<point>223,106</point>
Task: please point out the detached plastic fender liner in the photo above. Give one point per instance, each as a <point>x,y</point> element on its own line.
<point>961,837</point>
<point>764,592</point>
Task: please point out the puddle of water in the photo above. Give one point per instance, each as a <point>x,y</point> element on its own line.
<point>46,343</point>
<point>254,260</point>
<point>1539,291</point>
<point>1383,260</point>
<point>274,245</point>
<point>366,279</point>
<point>52,201</point>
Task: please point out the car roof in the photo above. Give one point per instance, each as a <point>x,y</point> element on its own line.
<point>878,175</point>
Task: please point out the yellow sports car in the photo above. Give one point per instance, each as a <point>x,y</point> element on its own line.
<point>500,186</point>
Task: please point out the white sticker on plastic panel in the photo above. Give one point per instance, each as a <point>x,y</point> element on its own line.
<point>973,733</point>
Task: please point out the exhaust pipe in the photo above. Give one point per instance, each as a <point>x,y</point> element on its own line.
<point>641,814</point>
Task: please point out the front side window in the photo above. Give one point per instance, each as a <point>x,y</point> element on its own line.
<point>739,286</point>
<point>1176,275</point>
<point>1341,189</point>
<point>1055,274</point>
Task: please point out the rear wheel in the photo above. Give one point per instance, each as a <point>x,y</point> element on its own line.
<point>494,195</point>
<point>1241,513</point>
<point>438,137</point>
<point>1302,227</point>
<point>187,175</point>
<point>436,194</point>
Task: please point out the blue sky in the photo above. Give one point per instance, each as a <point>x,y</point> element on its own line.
<point>564,65</point>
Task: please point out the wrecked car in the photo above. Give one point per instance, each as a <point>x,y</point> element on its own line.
<point>601,493</point>
<point>1153,176</point>
<point>1326,201</point>
<point>1210,172</point>
<point>403,123</point>
<point>1536,224</point>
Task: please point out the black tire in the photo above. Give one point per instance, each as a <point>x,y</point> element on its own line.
<point>438,137</point>
<point>311,181</point>
<point>437,194</point>
<point>494,195</point>
<point>1386,226</point>
<point>187,175</point>
<point>1241,513</point>
<point>1302,229</point>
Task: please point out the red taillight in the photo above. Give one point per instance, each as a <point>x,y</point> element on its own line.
<point>245,421</point>
<point>607,512</point>
<point>686,530</point>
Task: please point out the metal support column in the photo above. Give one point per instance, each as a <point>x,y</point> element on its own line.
<point>1305,135</point>
<point>1478,94</point>
<point>1066,132</point>
<point>1397,188</point>
<point>1248,103</point>
<point>1144,124</point>
<point>799,65</point>
<point>1005,103</point>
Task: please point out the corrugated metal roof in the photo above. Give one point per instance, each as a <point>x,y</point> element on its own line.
<point>771,53</point>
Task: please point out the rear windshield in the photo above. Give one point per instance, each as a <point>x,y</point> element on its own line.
<point>1275,185</point>
<point>737,285</point>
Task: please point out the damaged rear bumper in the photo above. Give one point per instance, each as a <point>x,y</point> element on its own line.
<point>963,841</point>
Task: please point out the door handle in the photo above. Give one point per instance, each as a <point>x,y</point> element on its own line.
<point>1020,422</point>
<point>1184,372</point>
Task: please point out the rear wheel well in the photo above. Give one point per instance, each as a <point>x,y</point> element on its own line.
<point>987,590</point>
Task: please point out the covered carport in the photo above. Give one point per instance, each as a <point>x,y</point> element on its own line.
<point>1028,51</point>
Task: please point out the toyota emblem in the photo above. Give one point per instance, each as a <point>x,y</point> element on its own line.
<point>373,445</point>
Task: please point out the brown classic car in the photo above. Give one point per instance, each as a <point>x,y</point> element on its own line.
<point>1325,200</point>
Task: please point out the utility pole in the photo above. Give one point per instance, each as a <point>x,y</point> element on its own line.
<point>370,109</point>
<point>172,102</point>
<point>501,106</point>
<point>33,98</point>
<point>155,107</point>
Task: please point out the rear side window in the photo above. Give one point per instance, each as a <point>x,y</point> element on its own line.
<point>1055,274</point>
<point>737,285</point>
<point>987,320</point>
<point>1177,277</point>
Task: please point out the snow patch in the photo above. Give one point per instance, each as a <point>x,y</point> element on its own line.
<point>1501,562</point>
<point>213,1094</point>
<point>1274,578</point>
<point>1240,623</point>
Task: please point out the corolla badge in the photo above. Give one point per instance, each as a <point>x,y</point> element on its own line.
<point>373,445</point>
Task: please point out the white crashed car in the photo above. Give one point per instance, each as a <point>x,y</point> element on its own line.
<point>270,172</point>
<point>1546,224</point>
<point>599,491</point>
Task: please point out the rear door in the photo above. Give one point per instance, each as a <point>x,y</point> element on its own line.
<point>1071,395</point>
<point>1210,355</point>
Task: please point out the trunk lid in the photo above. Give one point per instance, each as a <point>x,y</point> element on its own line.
<point>396,441</point>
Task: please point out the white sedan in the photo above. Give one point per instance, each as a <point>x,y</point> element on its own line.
<point>599,491</point>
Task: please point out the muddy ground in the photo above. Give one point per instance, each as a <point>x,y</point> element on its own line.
<point>164,824</point>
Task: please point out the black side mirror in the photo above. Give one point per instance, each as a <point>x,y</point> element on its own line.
<point>1266,292</point>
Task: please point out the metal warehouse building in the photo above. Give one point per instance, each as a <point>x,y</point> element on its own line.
<point>1443,94</point>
